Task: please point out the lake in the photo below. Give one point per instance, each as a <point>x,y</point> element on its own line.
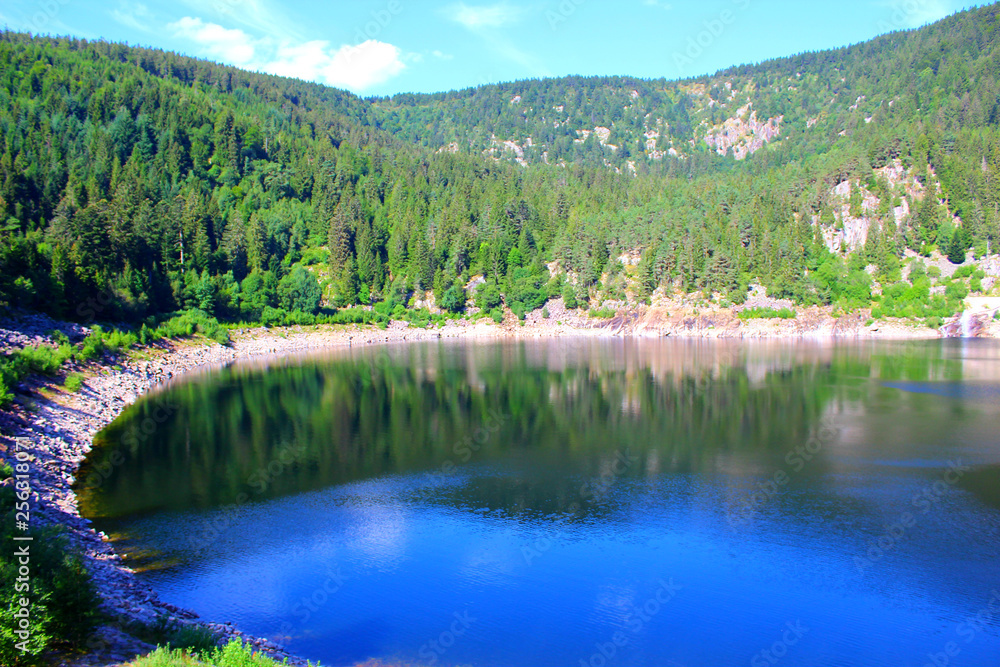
<point>576,502</point>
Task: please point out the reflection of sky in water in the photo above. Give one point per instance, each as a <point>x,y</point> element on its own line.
<point>971,392</point>
<point>378,567</point>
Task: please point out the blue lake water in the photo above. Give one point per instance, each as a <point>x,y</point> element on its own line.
<point>573,502</point>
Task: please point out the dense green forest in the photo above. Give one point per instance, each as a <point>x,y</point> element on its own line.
<point>136,182</point>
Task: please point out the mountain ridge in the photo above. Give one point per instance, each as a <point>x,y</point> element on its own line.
<point>166,182</point>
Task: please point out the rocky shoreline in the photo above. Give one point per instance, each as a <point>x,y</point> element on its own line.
<point>57,428</point>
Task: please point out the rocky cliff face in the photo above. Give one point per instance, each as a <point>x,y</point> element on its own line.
<point>851,231</point>
<point>744,134</point>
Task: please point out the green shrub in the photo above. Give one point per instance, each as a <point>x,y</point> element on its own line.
<point>569,296</point>
<point>602,313</point>
<point>918,270</point>
<point>63,598</point>
<point>73,382</point>
<point>963,271</point>
<point>299,291</point>
<point>5,394</point>
<point>45,359</point>
<point>238,654</point>
<point>311,256</point>
<point>116,341</point>
<point>147,335</point>
<point>233,654</point>
<point>166,657</point>
<point>759,312</point>
<point>497,315</point>
<point>93,344</point>
<point>166,632</point>
<point>58,337</point>
<point>487,296</point>
<point>188,323</point>
<point>272,317</point>
<point>13,367</point>
<point>956,291</point>
<point>358,316</point>
<point>454,299</point>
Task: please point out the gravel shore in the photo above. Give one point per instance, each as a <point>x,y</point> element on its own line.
<point>57,428</point>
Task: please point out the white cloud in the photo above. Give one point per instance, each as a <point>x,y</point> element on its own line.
<point>228,45</point>
<point>441,55</point>
<point>485,16</point>
<point>135,15</point>
<point>354,67</point>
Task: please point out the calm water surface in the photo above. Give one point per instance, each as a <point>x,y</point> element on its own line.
<point>577,502</point>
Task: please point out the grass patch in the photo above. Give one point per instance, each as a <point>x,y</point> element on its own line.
<point>602,313</point>
<point>759,312</point>
<point>184,636</point>
<point>233,654</point>
<point>166,657</point>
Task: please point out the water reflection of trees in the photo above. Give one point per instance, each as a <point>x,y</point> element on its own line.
<point>685,407</point>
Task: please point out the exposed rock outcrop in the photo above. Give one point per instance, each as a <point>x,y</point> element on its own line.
<point>745,137</point>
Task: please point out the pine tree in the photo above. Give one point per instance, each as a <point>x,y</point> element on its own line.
<point>365,248</point>
<point>339,239</point>
<point>957,247</point>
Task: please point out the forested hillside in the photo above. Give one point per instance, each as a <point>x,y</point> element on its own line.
<point>135,182</point>
<point>878,94</point>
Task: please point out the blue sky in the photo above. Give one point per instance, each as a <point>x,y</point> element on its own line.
<point>381,47</point>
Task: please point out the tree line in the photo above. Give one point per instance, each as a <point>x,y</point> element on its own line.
<point>136,182</point>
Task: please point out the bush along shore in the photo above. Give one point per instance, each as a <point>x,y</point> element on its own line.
<point>60,383</point>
